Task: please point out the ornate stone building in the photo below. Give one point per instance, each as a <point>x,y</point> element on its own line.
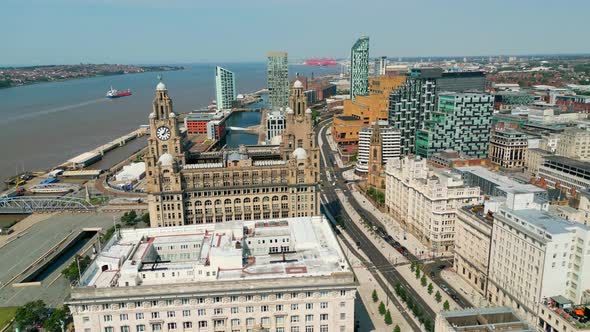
<point>250,183</point>
<point>375,159</point>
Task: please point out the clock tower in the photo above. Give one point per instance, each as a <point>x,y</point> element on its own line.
<point>164,159</point>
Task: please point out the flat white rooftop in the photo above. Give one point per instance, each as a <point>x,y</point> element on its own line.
<point>248,250</point>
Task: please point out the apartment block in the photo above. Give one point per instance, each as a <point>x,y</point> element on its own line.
<point>390,146</point>
<point>359,68</point>
<point>270,275</point>
<point>425,200</point>
<point>278,79</point>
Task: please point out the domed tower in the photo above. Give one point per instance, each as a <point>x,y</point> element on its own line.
<point>299,148</point>
<point>164,160</point>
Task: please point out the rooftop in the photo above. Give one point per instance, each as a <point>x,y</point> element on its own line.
<point>568,162</point>
<point>542,223</point>
<point>248,250</point>
<point>484,320</point>
<point>503,182</point>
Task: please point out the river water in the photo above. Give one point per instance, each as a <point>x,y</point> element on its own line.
<point>45,124</point>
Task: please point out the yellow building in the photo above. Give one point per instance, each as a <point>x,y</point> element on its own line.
<point>365,110</point>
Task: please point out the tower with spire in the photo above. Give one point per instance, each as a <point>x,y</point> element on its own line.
<point>375,157</point>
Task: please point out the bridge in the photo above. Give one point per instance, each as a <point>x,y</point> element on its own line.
<point>252,129</point>
<point>30,204</point>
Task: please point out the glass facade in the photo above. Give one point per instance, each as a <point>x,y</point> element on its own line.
<point>278,80</point>
<point>359,68</point>
<point>225,88</point>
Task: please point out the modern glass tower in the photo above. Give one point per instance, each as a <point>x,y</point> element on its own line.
<point>225,88</point>
<point>359,68</point>
<point>278,80</point>
<point>380,66</point>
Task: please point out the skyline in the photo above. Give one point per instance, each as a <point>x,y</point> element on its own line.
<point>180,31</point>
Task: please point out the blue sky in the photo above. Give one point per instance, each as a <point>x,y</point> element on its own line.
<point>181,31</point>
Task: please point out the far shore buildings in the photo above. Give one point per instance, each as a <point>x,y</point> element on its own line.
<point>426,200</point>
<point>249,183</point>
<point>278,79</point>
<point>286,274</point>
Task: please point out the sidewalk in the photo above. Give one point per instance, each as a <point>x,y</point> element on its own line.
<point>365,290</point>
<point>459,284</point>
<point>396,258</point>
<point>334,147</point>
<point>22,226</point>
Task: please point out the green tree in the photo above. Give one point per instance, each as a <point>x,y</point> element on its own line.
<point>417,271</point>
<point>53,323</point>
<point>375,297</point>
<point>71,271</point>
<point>397,329</point>
<point>430,288</point>
<point>446,305</point>
<point>30,314</point>
<point>423,280</point>
<point>437,296</point>
<point>129,217</point>
<point>428,325</point>
<point>381,308</point>
<point>413,266</point>
<point>387,318</point>
<point>146,218</point>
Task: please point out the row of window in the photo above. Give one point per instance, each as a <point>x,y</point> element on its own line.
<point>189,325</point>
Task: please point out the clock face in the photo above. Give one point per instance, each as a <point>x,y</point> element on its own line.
<point>163,133</point>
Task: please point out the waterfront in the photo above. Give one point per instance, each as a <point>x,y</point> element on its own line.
<point>45,124</point>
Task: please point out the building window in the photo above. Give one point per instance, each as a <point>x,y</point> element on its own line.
<point>107,318</point>
<point>140,328</point>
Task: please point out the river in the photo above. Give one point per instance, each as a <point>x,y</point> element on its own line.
<point>45,124</point>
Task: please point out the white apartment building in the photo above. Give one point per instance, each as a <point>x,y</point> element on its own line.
<point>574,143</point>
<point>275,124</point>
<point>390,146</point>
<point>535,255</point>
<point>287,275</point>
<point>425,200</point>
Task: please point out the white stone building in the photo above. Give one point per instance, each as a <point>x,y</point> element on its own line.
<point>574,143</point>
<point>425,200</point>
<point>287,275</point>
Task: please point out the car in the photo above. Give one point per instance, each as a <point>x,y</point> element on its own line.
<point>444,288</point>
<point>454,297</point>
<point>6,231</point>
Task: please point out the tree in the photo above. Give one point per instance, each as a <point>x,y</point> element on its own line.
<point>53,323</point>
<point>30,314</point>
<point>381,308</point>
<point>423,280</point>
<point>375,297</point>
<point>437,296</point>
<point>71,272</point>
<point>417,271</point>
<point>387,318</point>
<point>428,325</point>
<point>446,305</point>
<point>430,288</point>
<point>146,218</point>
<point>129,217</point>
<point>413,266</point>
<point>397,329</point>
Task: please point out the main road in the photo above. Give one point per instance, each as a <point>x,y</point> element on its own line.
<point>331,179</point>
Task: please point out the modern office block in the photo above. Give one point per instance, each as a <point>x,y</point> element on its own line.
<point>359,68</point>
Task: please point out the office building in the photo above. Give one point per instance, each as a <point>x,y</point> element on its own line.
<point>565,173</point>
<point>212,124</point>
<point>359,68</point>
<point>411,105</point>
<point>535,255</point>
<point>495,184</point>
<point>481,320</point>
<point>472,245</point>
<point>534,158</point>
<point>574,143</point>
<point>364,110</point>
<point>389,146</point>
<point>452,159</point>
<point>275,124</point>
<point>425,200</point>
<point>248,183</point>
<point>380,67</point>
<point>225,88</point>
<point>462,122</point>
<point>278,79</point>
<point>508,148</point>
<point>271,275</point>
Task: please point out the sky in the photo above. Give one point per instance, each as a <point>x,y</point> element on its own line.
<point>191,31</point>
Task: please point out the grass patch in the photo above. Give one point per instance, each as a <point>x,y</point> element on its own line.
<point>6,314</point>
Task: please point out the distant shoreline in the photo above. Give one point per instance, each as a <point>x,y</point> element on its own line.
<point>144,69</point>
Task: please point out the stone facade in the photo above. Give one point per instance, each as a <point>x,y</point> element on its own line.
<point>253,182</point>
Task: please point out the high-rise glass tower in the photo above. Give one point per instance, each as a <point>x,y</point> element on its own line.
<point>380,66</point>
<point>278,80</point>
<point>225,88</point>
<point>359,68</point>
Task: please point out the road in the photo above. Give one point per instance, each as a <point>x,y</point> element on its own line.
<point>331,180</point>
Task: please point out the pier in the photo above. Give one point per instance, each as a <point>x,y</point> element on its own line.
<point>120,141</point>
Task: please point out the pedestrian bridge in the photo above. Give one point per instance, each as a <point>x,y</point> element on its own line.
<point>30,204</point>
